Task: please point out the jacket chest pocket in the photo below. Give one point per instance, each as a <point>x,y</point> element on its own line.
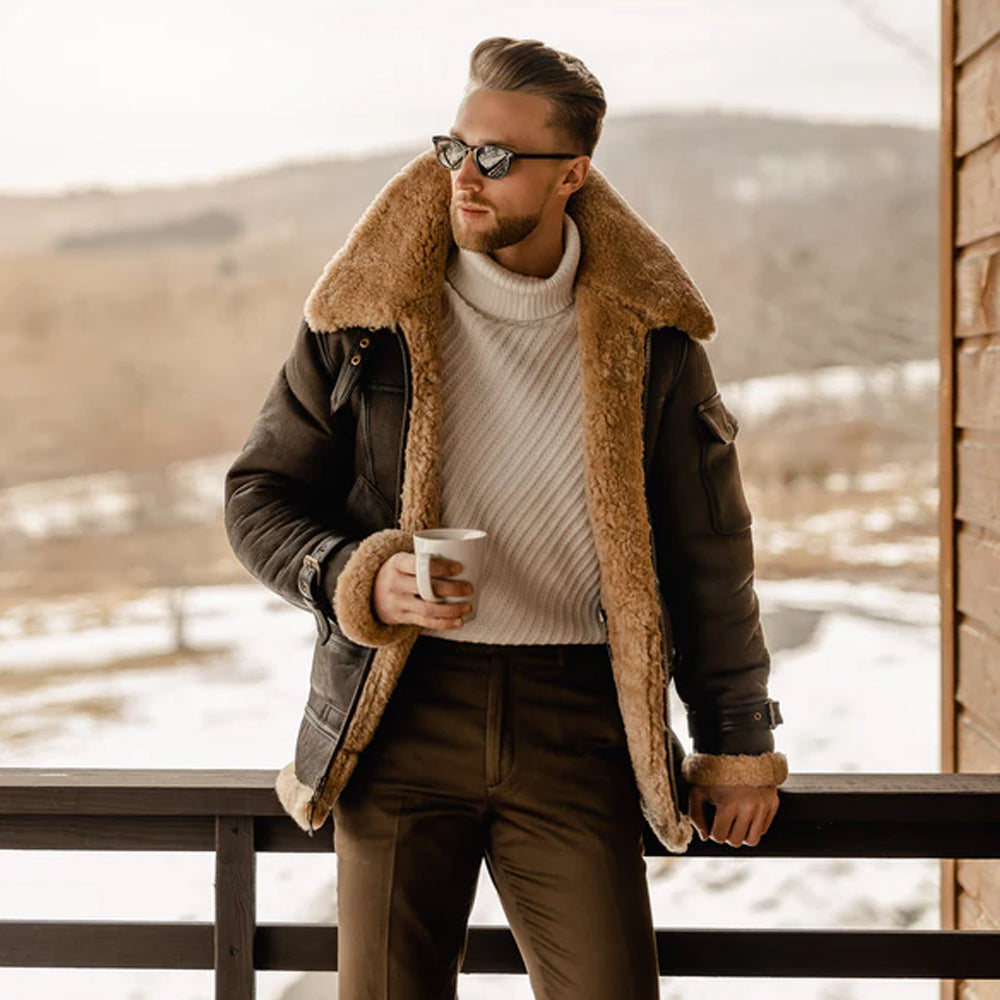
<point>379,438</point>
<point>719,467</point>
<point>370,381</point>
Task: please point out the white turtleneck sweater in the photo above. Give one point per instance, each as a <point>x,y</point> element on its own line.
<point>512,449</point>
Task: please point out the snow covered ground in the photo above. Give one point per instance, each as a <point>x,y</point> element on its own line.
<point>843,657</point>
<point>843,389</point>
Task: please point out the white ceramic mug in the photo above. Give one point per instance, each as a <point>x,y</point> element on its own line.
<point>464,545</point>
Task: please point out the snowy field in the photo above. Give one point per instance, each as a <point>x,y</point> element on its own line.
<point>844,655</point>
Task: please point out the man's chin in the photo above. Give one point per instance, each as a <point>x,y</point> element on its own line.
<point>476,242</point>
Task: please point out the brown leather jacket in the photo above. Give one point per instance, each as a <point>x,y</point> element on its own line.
<point>342,466</point>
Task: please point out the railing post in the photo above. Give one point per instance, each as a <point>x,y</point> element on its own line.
<point>235,907</point>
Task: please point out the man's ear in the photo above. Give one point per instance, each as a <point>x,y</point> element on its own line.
<point>576,174</point>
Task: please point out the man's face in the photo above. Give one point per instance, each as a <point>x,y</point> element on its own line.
<point>507,210</point>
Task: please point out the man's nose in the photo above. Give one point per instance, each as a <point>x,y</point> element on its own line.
<point>468,176</point>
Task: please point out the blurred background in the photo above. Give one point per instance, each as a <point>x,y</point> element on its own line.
<point>173,180</point>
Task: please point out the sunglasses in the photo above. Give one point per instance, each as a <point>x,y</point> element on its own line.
<point>491,160</point>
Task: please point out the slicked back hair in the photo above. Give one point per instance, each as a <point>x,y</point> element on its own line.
<point>574,93</point>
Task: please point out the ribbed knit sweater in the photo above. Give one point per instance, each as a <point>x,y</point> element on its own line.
<point>512,449</point>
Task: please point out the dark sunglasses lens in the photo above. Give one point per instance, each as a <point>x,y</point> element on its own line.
<point>492,161</point>
<point>450,153</point>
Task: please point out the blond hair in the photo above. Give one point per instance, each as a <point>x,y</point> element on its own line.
<point>574,93</point>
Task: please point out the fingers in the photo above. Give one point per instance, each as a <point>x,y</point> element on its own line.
<point>743,822</point>
<point>398,598</point>
<point>771,812</point>
<point>430,614</point>
<point>724,816</point>
<point>741,816</point>
<point>761,821</point>
<point>762,816</point>
<point>441,572</point>
<point>767,809</point>
<point>439,568</point>
<point>705,814</point>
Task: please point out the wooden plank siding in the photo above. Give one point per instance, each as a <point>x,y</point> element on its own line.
<point>977,379</point>
<point>969,416</point>
<point>979,989</point>
<point>979,885</point>
<point>978,671</point>
<point>978,581</point>
<point>977,106</point>
<point>978,749</point>
<point>977,482</point>
<point>976,23</point>
<point>977,211</point>
<point>977,289</point>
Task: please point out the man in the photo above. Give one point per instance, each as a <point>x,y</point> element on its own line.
<point>502,343</point>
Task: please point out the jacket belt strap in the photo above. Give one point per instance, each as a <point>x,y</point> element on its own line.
<point>310,578</point>
<point>765,714</point>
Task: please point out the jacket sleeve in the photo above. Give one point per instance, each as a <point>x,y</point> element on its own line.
<point>285,494</point>
<point>705,560</point>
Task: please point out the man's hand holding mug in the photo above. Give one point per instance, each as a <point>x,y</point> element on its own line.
<point>423,587</point>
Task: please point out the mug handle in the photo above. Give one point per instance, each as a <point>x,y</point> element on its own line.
<point>424,583</point>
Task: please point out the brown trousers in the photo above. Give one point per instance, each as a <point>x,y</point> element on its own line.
<point>512,753</point>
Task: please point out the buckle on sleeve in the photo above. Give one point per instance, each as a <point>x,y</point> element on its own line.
<point>311,571</point>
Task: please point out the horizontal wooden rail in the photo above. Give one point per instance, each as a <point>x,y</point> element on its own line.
<point>235,814</point>
<point>821,815</point>
<point>828,954</point>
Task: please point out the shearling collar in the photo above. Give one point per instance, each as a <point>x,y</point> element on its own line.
<point>397,254</point>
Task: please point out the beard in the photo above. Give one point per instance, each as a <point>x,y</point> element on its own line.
<point>505,232</point>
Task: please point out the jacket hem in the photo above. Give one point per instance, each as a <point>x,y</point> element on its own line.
<point>295,797</point>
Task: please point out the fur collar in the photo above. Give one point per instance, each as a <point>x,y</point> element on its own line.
<point>398,251</point>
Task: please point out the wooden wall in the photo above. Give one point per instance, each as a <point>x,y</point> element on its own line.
<point>970,437</point>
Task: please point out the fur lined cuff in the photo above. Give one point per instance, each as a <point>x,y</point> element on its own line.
<point>768,768</point>
<point>352,598</point>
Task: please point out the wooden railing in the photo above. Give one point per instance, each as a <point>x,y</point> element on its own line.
<point>236,815</point>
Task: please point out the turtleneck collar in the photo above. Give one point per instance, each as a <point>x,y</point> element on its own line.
<point>496,291</point>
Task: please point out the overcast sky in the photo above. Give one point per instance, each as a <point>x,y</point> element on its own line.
<point>119,92</point>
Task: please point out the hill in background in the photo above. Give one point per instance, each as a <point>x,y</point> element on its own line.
<point>145,326</point>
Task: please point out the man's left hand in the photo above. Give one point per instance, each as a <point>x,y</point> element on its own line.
<point>742,812</point>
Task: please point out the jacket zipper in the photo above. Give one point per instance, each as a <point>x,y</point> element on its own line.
<point>667,659</point>
<point>371,654</point>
